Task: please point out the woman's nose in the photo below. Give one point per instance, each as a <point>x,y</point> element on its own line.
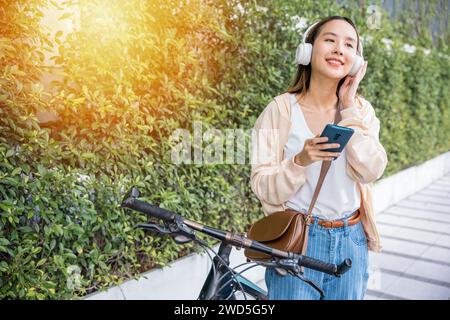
<point>338,50</point>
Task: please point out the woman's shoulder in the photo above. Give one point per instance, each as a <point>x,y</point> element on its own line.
<point>363,103</point>
<point>277,107</point>
<point>283,102</point>
<point>367,109</point>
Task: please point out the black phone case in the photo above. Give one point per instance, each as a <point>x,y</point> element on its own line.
<point>337,134</point>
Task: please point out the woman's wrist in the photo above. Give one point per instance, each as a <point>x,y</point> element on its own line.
<point>298,161</point>
<point>347,104</point>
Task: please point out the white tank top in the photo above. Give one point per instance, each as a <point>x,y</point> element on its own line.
<point>339,195</point>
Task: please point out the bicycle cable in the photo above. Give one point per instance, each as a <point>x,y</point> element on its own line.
<point>239,273</point>
<point>205,245</point>
<point>234,268</point>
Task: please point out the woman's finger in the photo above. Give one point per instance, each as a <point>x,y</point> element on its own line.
<point>347,81</point>
<point>317,140</point>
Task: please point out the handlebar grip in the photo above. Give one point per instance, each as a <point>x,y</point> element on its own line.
<point>149,209</point>
<point>318,265</point>
<point>344,267</point>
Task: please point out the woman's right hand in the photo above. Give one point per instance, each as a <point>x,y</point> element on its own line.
<point>313,151</point>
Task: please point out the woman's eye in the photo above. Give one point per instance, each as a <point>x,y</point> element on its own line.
<point>348,44</point>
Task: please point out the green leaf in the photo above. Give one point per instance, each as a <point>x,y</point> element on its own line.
<point>6,206</point>
<point>36,250</point>
<point>16,171</point>
<point>41,262</point>
<point>10,153</point>
<point>52,244</point>
<point>3,266</point>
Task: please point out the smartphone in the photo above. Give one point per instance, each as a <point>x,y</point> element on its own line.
<point>336,134</point>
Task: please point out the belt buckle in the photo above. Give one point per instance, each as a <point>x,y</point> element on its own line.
<point>326,223</point>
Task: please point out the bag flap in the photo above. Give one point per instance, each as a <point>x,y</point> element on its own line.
<point>272,226</point>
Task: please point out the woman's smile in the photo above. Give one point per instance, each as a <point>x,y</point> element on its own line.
<point>334,63</point>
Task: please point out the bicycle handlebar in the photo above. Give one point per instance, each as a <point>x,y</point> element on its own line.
<point>329,268</point>
<point>149,209</point>
<point>237,240</point>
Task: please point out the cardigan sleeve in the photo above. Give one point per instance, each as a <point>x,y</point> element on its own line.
<point>366,156</point>
<point>272,179</point>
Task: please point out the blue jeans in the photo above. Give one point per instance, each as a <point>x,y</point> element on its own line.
<point>332,245</point>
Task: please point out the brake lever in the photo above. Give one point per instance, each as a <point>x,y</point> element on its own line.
<point>285,266</point>
<point>156,228</point>
<point>291,265</point>
<point>181,235</point>
<point>312,284</point>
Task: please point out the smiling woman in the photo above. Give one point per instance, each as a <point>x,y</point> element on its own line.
<point>324,92</point>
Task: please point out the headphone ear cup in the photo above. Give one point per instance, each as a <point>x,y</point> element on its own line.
<point>303,54</point>
<point>358,63</point>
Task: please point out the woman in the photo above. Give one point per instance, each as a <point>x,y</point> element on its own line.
<point>289,159</point>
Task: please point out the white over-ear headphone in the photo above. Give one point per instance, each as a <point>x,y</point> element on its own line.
<point>304,53</point>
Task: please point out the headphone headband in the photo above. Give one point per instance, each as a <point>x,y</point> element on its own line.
<point>307,31</point>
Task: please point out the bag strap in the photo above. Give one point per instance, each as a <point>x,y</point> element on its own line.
<point>323,172</point>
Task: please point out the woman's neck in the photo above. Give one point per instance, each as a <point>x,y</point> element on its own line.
<point>321,94</point>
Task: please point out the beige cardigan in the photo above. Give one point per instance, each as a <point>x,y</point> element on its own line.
<point>274,180</point>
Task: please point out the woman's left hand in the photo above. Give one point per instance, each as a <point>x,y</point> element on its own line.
<point>347,91</point>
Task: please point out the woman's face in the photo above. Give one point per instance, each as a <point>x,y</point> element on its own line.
<point>336,41</point>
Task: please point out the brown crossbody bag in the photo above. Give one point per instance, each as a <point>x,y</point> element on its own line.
<point>285,230</point>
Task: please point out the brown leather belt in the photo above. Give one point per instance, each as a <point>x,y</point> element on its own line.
<point>353,219</point>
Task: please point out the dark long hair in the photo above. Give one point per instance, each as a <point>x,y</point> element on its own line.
<point>302,78</point>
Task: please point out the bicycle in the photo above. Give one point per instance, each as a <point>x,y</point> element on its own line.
<point>224,282</point>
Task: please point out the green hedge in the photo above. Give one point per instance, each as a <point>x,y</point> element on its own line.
<point>213,61</point>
